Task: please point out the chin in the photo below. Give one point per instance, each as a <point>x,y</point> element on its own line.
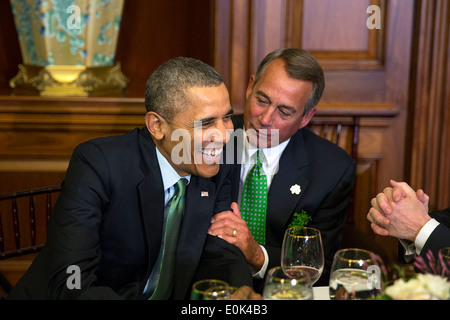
<point>208,172</point>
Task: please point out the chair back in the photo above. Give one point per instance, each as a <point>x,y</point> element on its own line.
<point>24,218</point>
<point>344,133</point>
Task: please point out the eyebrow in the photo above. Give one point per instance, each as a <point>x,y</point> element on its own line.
<point>211,119</point>
<point>283,106</point>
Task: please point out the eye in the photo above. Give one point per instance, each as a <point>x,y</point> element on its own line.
<point>207,124</point>
<point>261,101</point>
<point>227,118</point>
<point>284,113</point>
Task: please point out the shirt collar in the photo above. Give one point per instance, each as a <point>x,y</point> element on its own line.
<point>272,155</point>
<point>168,173</point>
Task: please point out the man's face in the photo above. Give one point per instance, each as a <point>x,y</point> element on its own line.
<point>194,139</point>
<point>275,105</point>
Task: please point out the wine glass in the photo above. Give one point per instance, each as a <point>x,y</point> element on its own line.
<point>355,275</point>
<point>210,289</point>
<point>302,250</point>
<point>279,286</point>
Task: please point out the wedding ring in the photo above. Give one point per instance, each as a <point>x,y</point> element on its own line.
<point>234,232</point>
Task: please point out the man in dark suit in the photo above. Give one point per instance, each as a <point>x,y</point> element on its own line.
<point>304,171</point>
<point>105,238</point>
<point>401,212</point>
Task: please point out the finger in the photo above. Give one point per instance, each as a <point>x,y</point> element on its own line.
<point>379,230</point>
<point>224,215</point>
<point>230,239</point>
<point>382,200</point>
<point>406,187</point>
<point>377,217</point>
<point>398,193</point>
<point>423,197</point>
<point>235,209</point>
<point>243,293</point>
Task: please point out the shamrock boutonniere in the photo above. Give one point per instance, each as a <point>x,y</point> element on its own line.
<point>300,219</point>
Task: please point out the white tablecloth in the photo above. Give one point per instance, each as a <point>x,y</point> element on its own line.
<point>321,293</point>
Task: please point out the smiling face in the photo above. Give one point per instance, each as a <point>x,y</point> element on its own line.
<point>193,140</point>
<point>275,106</point>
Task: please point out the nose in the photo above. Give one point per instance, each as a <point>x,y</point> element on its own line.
<point>222,132</point>
<point>266,117</point>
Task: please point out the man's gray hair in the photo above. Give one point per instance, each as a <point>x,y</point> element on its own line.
<point>300,65</point>
<point>165,91</point>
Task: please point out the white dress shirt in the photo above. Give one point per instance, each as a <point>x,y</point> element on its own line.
<point>413,249</point>
<point>270,163</point>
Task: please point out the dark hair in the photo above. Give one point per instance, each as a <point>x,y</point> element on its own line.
<point>165,89</point>
<point>301,65</point>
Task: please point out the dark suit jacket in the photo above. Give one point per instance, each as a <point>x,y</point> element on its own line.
<point>440,237</point>
<point>108,221</point>
<point>325,174</point>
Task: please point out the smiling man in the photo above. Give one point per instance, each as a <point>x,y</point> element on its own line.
<point>134,209</point>
<point>282,167</point>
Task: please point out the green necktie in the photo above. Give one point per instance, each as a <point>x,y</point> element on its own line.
<point>176,209</point>
<point>254,201</point>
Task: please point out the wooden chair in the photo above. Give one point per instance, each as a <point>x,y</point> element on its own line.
<point>23,227</point>
<point>334,130</point>
<point>345,133</point>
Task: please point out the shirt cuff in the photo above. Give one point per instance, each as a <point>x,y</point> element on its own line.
<point>414,248</point>
<point>424,234</point>
<point>260,274</point>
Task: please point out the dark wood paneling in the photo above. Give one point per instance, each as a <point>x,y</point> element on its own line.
<point>428,131</point>
<point>155,31</point>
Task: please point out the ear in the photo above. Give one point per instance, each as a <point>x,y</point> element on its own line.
<point>250,86</point>
<point>154,125</point>
<point>307,118</point>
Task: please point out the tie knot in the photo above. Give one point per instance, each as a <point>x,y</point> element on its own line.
<point>180,187</point>
<point>259,158</point>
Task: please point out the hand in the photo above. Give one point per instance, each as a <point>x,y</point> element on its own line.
<point>229,226</point>
<point>245,293</point>
<point>399,211</point>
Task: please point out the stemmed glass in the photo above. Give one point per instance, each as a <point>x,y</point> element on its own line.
<point>302,251</point>
<point>279,286</point>
<point>210,289</point>
<point>355,275</point>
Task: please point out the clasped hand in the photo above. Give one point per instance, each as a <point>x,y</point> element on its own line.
<point>399,211</point>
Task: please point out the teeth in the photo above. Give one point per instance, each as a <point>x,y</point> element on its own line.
<point>211,152</point>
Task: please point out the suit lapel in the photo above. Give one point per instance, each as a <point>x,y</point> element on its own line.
<point>200,198</point>
<point>287,185</point>
<point>151,194</point>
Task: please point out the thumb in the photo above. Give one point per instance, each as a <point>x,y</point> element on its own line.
<point>235,209</point>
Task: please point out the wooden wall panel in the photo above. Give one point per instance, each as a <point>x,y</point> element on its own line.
<point>366,71</point>
<point>428,131</point>
<point>343,41</point>
<point>38,135</point>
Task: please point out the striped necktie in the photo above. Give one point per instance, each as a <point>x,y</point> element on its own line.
<point>170,238</point>
<point>254,201</point>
